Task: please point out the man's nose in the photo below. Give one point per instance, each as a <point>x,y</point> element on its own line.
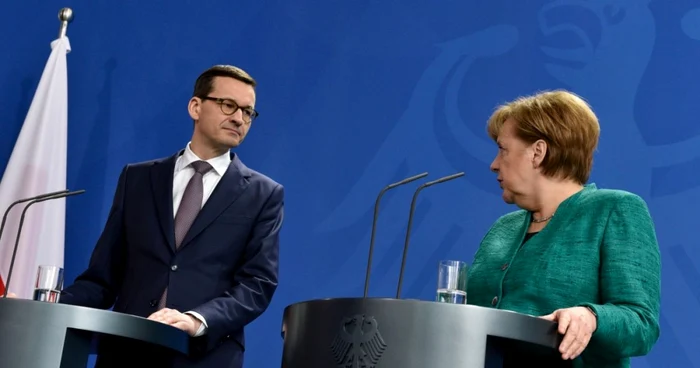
<point>237,118</point>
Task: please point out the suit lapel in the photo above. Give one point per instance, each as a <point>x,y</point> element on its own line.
<point>162,186</point>
<point>230,187</point>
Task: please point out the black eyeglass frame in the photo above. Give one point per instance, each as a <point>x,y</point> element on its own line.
<point>222,101</point>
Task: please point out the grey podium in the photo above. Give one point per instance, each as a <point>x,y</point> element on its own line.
<point>37,334</point>
<point>393,333</point>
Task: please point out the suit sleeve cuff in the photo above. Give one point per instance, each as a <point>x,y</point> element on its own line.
<point>203,327</point>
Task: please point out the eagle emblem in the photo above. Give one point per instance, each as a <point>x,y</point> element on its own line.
<point>359,343</point>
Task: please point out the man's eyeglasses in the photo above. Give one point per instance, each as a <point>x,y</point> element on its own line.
<point>229,107</point>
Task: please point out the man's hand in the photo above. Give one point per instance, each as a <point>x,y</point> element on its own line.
<point>176,319</point>
<point>577,325</point>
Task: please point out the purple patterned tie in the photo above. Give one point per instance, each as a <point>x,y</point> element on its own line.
<point>189,208</point>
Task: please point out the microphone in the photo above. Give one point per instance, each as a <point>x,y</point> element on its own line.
<point>374,221</point>
<point>410,222</point>
<point>7,211</point>
<point>42,198</point>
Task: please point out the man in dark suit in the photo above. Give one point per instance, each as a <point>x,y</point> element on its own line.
<point>191,240</point>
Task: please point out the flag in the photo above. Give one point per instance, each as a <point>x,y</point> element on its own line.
<point>38,165</point>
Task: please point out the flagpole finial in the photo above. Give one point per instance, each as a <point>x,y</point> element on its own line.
<point>65,15</point>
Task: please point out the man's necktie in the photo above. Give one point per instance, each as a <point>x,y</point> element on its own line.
<point>190,206</point>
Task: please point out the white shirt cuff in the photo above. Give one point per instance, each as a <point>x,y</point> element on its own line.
<point>203,327</point>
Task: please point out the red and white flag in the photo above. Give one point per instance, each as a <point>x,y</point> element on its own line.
<point>37,166</point>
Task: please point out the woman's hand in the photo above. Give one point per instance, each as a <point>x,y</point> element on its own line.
<point>577,324</point>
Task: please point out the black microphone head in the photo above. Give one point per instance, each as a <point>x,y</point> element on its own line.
<point>443,179</point>
<point>60,195</point>
<point>408,180</point>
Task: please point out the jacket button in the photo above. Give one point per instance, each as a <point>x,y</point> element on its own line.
<point>173,267</point>
<point>153,303</point>
<point>494,301</point>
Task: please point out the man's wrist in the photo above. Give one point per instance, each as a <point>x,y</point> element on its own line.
<point>199,323</point>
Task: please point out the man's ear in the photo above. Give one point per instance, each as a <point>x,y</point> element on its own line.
<point>194,107</point>
<point>539,150</point>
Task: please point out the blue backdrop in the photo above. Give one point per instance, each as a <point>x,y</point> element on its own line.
<point>354,95</point>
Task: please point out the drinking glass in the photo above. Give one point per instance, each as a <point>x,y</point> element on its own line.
<point>452,282</point>
<point>49,283</point>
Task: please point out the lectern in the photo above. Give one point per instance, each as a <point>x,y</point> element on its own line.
<point>399,333</point>
<point>37,334</point>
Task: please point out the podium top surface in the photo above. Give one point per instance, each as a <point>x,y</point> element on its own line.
<point>417,317</point>
<point>30,314</point>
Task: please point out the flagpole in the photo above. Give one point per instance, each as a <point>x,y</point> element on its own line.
<point>65,15</point>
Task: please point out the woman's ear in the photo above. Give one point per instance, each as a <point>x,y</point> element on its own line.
<point>539,150</point>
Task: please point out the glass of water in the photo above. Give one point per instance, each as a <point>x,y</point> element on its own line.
<point>452,282</point>
<point>49,283</point>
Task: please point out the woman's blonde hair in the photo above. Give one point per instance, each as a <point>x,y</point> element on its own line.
<point>564,121</point>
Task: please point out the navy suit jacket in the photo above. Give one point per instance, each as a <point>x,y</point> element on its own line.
<point>226,268</point>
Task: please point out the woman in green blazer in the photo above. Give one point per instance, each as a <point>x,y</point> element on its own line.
<point>584,257</point>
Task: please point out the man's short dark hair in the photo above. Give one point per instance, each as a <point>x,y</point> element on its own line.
<point>205,81</point>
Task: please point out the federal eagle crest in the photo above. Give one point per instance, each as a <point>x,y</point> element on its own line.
<point>359,343</point>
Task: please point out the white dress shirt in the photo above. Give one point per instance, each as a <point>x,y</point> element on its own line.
<point>182,175</point>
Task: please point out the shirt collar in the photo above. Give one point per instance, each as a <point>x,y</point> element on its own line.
<point>219,164</point>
